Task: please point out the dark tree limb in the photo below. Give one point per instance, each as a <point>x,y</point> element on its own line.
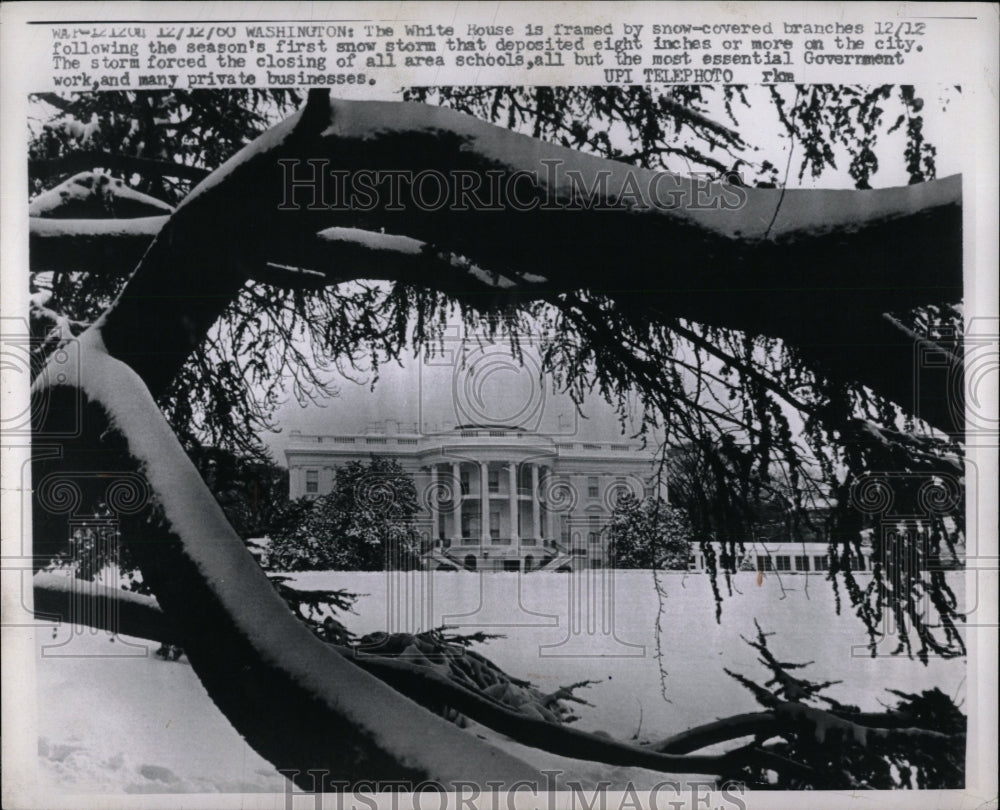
<point>89,160</point>
<point>821,277</point>
<point>111,247</point>
<point>724,730</point>
<point>294,698</point>
<point>62,598</point>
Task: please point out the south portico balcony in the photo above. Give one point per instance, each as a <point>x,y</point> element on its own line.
<point>494,554</point>
<point>490,542</point>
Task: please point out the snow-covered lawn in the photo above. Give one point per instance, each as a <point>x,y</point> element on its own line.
<point>138,724</point>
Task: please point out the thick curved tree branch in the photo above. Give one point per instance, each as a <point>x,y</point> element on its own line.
<point>864,727</point>
<point>824,722</point>
<point>110,247</point>
<point>61,598</point>
<point>821,279</point>
<point>87,160</point>
<point>297,702</point>
<point>724,730</point>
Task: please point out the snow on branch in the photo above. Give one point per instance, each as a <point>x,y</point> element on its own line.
<point>90,195</point>
<point>114,246</point>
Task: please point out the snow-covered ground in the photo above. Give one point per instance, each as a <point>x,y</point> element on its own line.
<point>115,718</point>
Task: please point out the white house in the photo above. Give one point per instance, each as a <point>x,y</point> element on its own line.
<point>510,473</point>
<point>493,497</point>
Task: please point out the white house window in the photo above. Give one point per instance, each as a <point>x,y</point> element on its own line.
<point>593,487</point>
<point>312,482</point>
<point>783,563</point>
<point>493,476</point>
<point>802,562</point>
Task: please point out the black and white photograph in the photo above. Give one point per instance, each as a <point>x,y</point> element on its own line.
<point>554,444</point>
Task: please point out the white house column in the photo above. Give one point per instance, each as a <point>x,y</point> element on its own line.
<point>551,531</point>
<point>484,503</point>
<point>536,524</point>
<point>435,517</point>
<point>456,521</point>
<point>512,502</point>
